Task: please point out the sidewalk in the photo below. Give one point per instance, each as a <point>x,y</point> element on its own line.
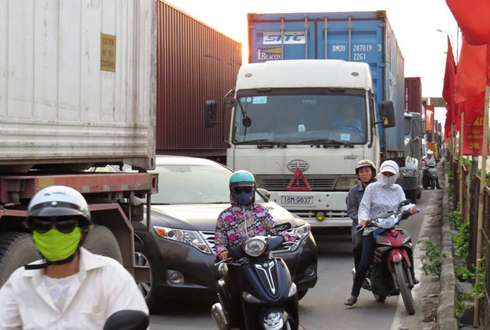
<point>435,296</point>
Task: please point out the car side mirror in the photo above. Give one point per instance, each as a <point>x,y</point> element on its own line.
<point>387,113</point>
<point>265,193</point>
<point>210,113</point>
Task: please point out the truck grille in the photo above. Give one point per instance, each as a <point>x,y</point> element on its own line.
<point>209,237</point>
<point>280,182</point>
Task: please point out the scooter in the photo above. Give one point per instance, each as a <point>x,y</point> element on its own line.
<point>269,298</point>
<point>430,177</point>
<point>127,320</point>
<point>391,271</point>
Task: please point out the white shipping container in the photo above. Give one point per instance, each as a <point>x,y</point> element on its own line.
<point>77,83</point>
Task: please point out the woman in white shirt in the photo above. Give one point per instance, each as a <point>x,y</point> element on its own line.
<point>379,197</point>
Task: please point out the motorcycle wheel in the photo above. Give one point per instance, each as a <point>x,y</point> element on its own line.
<point>287,325</point>
<point>401,279</point>
<point>379,297</point>
<point>433,184</point>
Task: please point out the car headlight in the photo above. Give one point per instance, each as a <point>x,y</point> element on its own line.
<point>301,231</point>
<point>408,172</point>
<point>189,237</point>
<point>254,247</point>
<point>345,182</point>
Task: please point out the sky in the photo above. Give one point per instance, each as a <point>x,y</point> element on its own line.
<point>415,24</point>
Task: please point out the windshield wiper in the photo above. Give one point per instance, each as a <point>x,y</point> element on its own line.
<point>327,142</point>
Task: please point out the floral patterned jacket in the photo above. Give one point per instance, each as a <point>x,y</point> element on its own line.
<point>239,222</point>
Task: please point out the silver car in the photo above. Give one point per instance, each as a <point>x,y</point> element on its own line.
<point>179,248</point>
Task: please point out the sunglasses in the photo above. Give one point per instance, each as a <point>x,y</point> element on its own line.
<point>241,190</point>
<point>63,225</point>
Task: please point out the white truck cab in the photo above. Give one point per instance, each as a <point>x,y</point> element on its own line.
<point>301,126</point>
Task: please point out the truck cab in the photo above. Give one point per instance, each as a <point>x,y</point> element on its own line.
<point>301,126</point>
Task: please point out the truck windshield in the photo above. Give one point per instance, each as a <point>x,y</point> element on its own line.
<point>299,119</point>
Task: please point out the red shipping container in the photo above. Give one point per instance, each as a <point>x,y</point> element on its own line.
<point>195,63</point>
<point>413,94</point>
<point>429,118</point>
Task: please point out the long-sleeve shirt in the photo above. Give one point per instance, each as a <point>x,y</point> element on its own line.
<point>431,161</point>
<point>353,201</point>
<point>378,199</point>
<point>100,288</point>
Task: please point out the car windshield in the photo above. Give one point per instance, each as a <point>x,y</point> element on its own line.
<point>296,119</point>
<point>193,184</point>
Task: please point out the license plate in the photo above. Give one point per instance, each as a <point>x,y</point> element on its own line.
<point>297,199</point>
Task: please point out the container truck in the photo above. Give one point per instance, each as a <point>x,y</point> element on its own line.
<point>195,63</point>
<point>310,72</point>
<point>411,179</point>
<point>77,89</point>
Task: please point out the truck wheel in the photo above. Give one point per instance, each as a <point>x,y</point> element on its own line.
<point>16,250</point>
<point>412,195</point>
<point>100,240</point>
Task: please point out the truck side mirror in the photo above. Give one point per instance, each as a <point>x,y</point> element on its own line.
<point>210,113</point>
<point>424,128</point>
<point>387,113</point>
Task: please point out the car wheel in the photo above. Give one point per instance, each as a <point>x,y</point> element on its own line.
<point>142,258</point>
<point>302,294</point>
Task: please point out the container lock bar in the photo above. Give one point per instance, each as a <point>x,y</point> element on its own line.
<point>325,30</point>
<point>283,28</point>
<point>305,25</point>
<point>349,26</point>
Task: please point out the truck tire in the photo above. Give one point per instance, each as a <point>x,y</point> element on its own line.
<point>16,250</point>
<point>411,195</point>
<point>100,240</point>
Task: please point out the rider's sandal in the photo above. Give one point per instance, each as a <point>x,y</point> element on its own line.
<point>350,301</point>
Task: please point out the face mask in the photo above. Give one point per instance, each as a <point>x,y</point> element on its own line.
<point>55,246</point>
<point>386,181</point>
<point>243,198</point>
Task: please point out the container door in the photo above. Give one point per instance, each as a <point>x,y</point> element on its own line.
<point>282,39</point>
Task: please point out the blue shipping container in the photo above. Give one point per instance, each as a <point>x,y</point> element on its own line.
<point>350,36</point>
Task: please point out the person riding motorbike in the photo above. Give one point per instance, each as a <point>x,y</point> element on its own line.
<point>429,160</point>
<point>366,173</point>
<point>379,197</point>
<point>70,288</point>
<point>243,219</point>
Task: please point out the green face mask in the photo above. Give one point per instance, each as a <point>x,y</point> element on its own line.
<point>55,245</point>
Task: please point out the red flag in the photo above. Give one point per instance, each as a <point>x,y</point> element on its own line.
<point>448,91</point>
<point>473,18</point>
<point>472,69</point>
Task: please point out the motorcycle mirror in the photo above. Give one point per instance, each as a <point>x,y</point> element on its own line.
<point>403,203</point>
<point>127,320</point>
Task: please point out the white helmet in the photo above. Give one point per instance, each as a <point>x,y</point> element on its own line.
<point>430,152</point>
<point>59,201</point>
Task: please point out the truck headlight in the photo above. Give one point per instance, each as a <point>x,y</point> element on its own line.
<point>190,237</point>
<point>345,182</point>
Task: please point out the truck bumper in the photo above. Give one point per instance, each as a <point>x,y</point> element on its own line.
<point>319,209</point>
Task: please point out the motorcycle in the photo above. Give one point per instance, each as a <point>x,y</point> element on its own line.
<point>127,320</point>
<point>269,298</point>
<point>430,176</point>
<point>391,271</point>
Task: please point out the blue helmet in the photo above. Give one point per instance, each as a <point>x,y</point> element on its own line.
<point>242,179</point>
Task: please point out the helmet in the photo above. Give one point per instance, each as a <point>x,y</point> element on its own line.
<point>390,166</point>
<point>366,163</point>
<point>430,152</point>
<point>59,201</point>
<point>242,179</point>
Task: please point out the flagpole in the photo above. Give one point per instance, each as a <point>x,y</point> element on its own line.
<point>481,200</point>
<point>460,168</point>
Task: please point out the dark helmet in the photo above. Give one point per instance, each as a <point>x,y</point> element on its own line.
<point>366,163</point>
<point>242,179</point>
<point>59,201</point>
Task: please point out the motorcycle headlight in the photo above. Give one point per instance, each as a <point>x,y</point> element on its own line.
<point>345,182</point>
<point>387,223</point>
<point>190,237</point>
<point>254,247</point>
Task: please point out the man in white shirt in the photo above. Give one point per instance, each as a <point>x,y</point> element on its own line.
<point>429,160</point>
<point>70,288</point>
